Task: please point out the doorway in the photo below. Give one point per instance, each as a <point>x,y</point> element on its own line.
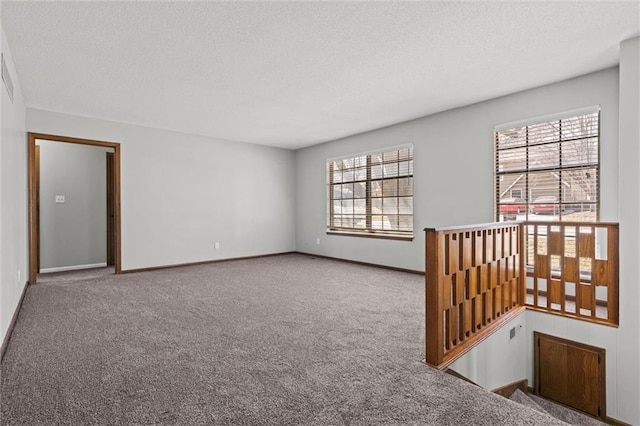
<point>113,233</point>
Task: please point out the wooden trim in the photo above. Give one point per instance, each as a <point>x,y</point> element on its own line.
<point>33,208</point>
<point>474,227</point>
<point>111,241</point>
<point>508,390</point>
<point>569,297</point>
<point>615,422</point>
<point>601,273</point>
<point>231,259</point>
<point>68,139</point>
<point>203,262</point>
<point>117,209</point>
<point>567,223</point>
<point>553,274</point>
<point>37,189</point>
<point>366,234</point>
<point>613,292</point>
<point>12,323</point>
<point>600,321</point>
<point>472,286</point>
<point>434,339</point>
<point>522,287</point>
<point>357,262</point>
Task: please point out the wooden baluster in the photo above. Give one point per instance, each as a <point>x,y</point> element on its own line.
<point>612,283</point>
<point>522,260</point>
<point>536,267</point>
<point>434,313</point>
<point>563,252</point>
<point>475,276</point>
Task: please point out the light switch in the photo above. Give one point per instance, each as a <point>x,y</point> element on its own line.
<point>59,199</point>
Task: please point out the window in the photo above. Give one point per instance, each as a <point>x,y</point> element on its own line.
<point>372,194</point>
<point>516,193</point>
<point>549,170</point>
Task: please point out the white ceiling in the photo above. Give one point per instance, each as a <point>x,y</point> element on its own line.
<point>295,74</point>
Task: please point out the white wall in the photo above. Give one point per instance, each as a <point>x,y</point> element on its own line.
<point>622,344</point>
<point>182,193</point>
<point>13,197</point>
<point>628,336</point>
<point>479,364</point>
<point>73,233</point>
<point>453,166</point>
<point>454,186</point>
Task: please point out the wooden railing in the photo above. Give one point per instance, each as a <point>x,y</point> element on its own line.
<point>473,280</point>
<point>573,269</point>
<point>480,276</point>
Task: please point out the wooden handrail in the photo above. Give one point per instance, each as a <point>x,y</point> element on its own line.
<point>473,280</point>
<point>476,278</point>
<point>573,269</point>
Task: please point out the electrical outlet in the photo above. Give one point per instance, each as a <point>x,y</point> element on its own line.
<point>19,274</point>
<point>217,245</point>
<point>59,199</point>
<point>318,241</point>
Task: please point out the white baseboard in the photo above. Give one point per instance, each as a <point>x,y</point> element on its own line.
<point>72,268</point>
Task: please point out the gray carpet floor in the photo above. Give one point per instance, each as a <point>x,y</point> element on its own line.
<point>283,340</point>
<point>558,411</point>
<point>522,398</point>
<point>564,413</point>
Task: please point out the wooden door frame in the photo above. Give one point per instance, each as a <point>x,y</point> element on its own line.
<point>34,236</point>
<point>37,208</point>
<point>111,240</point>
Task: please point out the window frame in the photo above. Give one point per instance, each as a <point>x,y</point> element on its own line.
<point>564,164</point>
<point>366,162</point>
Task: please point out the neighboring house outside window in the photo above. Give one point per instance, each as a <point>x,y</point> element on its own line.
<point>371,194</point>
<point>549,170</point>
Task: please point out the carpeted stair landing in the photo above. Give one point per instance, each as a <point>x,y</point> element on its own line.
<point>558,411</point>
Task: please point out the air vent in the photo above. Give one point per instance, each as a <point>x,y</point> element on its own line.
<point>7,79</point>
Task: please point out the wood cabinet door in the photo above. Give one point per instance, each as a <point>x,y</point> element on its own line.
<point>570,373</point>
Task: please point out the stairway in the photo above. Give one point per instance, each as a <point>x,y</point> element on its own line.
<point>556,410</point>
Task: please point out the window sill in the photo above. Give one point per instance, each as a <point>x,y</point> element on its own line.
<point>365,234</point>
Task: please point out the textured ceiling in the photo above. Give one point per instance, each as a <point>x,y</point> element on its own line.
<point>296,74</point>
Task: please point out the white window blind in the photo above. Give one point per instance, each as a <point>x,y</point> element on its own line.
<point>372,193</point>
<point>549,170</point>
